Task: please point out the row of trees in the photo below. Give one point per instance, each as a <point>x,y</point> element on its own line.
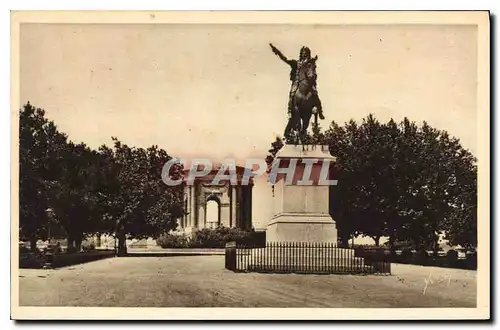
<point>396,180</point>
<point>70,190</point>
<point>399,180</point>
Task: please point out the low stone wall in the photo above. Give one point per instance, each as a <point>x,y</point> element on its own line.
<point>31,260</point>
<point>174,251</point>
<point>68,259</point>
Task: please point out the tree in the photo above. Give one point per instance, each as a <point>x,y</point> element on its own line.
<point>429,188</point>
<point>275,147</point>
<point>141,205</point>
<point>430,191</point>
<point>460,226</point>
<point>365,194</point>
<point>75,195</point>
<point>342,143</point>
<point>40,151</point>
<point>404,181</point>
<point>118,191</point>
<point>317,137</point>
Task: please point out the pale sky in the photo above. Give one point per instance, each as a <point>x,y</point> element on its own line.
<point>218,90</point>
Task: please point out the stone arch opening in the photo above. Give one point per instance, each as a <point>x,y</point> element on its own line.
<point>213,206</point>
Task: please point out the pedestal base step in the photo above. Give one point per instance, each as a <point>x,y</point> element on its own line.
<point>298,269</point>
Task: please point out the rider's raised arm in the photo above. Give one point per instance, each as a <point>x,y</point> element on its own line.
<point>280,55</point>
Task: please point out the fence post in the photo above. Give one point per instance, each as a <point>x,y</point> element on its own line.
<point>231,256</point>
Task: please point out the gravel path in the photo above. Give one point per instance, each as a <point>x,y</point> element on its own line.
<point>202,281</point>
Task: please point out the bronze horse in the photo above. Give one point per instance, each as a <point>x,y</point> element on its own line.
<point>304,100</point>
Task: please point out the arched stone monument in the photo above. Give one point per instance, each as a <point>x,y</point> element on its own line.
<point>234,201</point>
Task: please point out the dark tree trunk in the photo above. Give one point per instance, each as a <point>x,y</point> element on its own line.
<point>33,240</point>
<point>122,246</point>
<point>377,240</point>
<point>436,245</point>
<point>121,249</point>
<point>78,243</point>
<point>71,243</point>
<point>392,240</point>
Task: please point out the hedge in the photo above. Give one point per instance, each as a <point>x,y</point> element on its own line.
<point>422,258</point>
<point>38,260</point>
<point>213,238</point>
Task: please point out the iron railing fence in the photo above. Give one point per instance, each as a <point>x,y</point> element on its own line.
<point>305,257</point>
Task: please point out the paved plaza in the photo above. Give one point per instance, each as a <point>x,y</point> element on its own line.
<point>202,281</point>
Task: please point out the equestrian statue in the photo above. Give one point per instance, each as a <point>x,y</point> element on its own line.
<point>303,100</point>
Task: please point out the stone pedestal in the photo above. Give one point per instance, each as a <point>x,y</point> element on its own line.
<point>301,209</point>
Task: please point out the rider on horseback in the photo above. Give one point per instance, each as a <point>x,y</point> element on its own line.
<point>304,56</point>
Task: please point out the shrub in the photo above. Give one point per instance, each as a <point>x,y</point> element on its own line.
<point>30,260</point>
<point>398,245</point>
<point>172,241</point>
<point>213,238</point>
<point>88,247</point>
<point>57,248</point>
<point>218,237</point>
<point>66,259</point>
<point>23,249</point>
